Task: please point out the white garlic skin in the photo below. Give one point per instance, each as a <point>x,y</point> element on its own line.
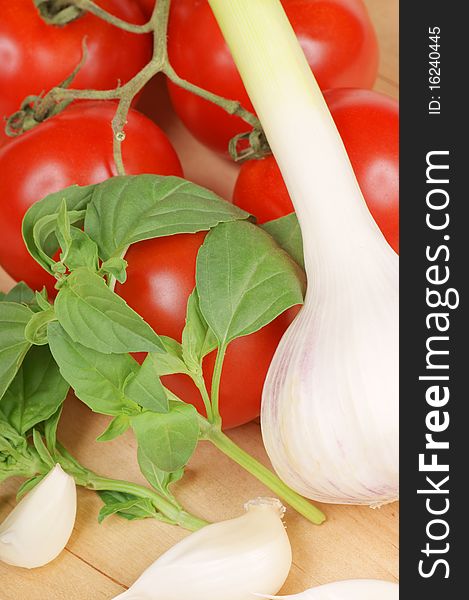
<point>38,528</point>
<point>331,397</point>
<point>351,589</point>
<point>230,560</point>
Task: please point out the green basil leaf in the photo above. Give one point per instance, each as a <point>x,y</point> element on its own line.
<point>198,340</point>
<point>16,456</point>
<point>171,361</point>
<point>82,252</point>
<point>127,506</point>
<point>97,318</point>
<point>42,450</point>
<point>116,267</point>
<point>97,379</point>
<point>76,198</point>
<point>146,389</point>
<point>36,392</point>
<point>13,345</point>
<point>21,294</point>
<point>287,233</point>
<point>158,479</point>
<point>116,427</point>
<point>62,230</point>
<point>168,439</point>
<point>9,437</point>
<point>244,280</point>
<point>35,331</point>
<point>44,234</point>
<point>41,301</point>
<point>50,430</point>
<point>125,210</point>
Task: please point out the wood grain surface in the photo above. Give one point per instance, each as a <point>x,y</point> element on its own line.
<point>101,561</point>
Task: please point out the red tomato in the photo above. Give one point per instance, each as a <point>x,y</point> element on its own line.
<point>369,125</point>
<point>147,6</point>
<point>160,278</point>
<point>34,56</point>
<point>336,35</point>
<point>73,147</point>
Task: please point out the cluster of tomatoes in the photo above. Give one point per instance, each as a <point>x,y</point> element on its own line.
<point>75,147</point>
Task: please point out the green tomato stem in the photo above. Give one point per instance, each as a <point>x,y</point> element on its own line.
<point>253,466</point>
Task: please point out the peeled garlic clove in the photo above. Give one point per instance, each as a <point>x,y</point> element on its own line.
<point>38,528</point>
<point>231,560</point>
<point>352,589</point>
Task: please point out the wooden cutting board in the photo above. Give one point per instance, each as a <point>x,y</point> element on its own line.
<point>101,561</point>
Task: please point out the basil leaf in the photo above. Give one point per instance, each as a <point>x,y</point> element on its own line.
<point>116,267</point>
<point>168,439</point>
<point>287,233</point>
<point>46,236</point>
<point>35,331</point>
<point>98,379</point>
<point>17,458</point>
<point>82,251</point>
<point>198,339</point>
<point>116,427</point>
<point>42,450</point>
<point>97,318</point>
<point>76,198</point>
<point>41,301</point>
<point>36,392</point>
<point>50,430</point>
<point>62,230</point>
<point>158,479</point>
<point>146,389</point>
<point>244,280</point>
<point>21,294</point>
<point>127,506</point>
<point>125,210</point>
<point>13,345</point>
<point>171,360</point>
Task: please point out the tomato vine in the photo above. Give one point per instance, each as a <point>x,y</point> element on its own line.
<point>58,12</point>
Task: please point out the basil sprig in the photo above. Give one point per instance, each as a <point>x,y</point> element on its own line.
<point>85,339</point>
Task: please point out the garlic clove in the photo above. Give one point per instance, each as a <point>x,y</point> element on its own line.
<point>233,560</point>
<point>351,589</point>
<point>38,528</point>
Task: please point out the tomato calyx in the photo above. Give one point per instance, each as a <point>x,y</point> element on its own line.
<point>36,109</point>
<point>58,12</point>
<point>30,115</point>
<point>257,146</point>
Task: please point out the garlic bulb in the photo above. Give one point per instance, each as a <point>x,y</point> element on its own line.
<point>231,560</point>
<point>353,589</point>
<point>38,528</point>
<point>330,400</point>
